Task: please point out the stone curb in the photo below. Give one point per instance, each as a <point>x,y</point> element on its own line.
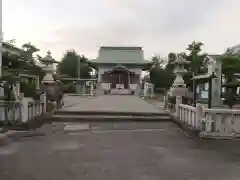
<point>6,138</point>
<point>26,131</point>
<point>16,135</point>
<point>190,132</point>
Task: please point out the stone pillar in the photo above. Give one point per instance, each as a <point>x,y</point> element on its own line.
<point>17,89</point>
<point>44,100</point>
<point>91,89</point>
<point>84,88</point>
<point>178,102</point>
<point>165,102</point>
<point>24,109</point>
<point>216,92</point>
<point>76,88</point>
<point>152,92</point>
<point>129,80</point>
<point>199,114</point>
<point>2,109</point>
<point>145,89</point>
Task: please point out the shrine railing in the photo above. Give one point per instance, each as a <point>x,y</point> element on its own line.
<point>18,112</point>
<point>221,122</point>
<point>210,122</point>
<point>187,114</point>
<point>10,111</point>
<point>35,109</point>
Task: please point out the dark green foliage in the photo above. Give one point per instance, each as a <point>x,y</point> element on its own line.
<point>171,59</point>
<point>13,65</point>
<point>161,77</point>
<point>230,65</point>
<point>20,64</point>
<point>30,49</point>
<point>172,99</point>
<point>195,57</point>
<point>69,65</point>
<point>28,88</point>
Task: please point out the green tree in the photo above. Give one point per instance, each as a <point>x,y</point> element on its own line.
<point>70,63</point>
<point>230,66</point>
<point>171,59</point>
<point>12,66</point>
<point>161,77</point>
<point>195,57</point>
<point>30,49</point>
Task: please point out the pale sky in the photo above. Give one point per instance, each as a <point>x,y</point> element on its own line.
<point>159,26</point>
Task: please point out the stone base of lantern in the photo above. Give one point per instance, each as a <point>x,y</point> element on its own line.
<point>179,91</point>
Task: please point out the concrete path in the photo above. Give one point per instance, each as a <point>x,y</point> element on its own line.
<point>70,100</point>
<point>119,151</point>
<point>114,103</point>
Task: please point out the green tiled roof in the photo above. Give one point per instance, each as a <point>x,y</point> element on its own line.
<point>120,55</point>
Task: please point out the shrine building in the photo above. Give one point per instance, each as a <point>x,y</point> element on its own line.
<point>120,68</point>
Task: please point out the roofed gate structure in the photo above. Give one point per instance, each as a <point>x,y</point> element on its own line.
<point>120,68</point>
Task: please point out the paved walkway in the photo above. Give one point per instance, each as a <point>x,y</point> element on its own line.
<point>71,100</point>
<point>114,103</point>
<point>119,151</point>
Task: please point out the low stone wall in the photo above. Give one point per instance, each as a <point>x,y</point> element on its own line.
<point>219,123</point>
<point>210,123</point>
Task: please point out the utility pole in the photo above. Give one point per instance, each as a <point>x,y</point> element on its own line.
<point>1,53</point>
<point>78,85</point>
<point>2,110</point>
<point>78,67</point>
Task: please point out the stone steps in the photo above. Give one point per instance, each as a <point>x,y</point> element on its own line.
<point>105,113</point>
<point>120,92</point>
<point>111,108</point>
<point>87,118</point>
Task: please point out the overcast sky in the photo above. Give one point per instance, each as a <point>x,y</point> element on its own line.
<point>160,26</point>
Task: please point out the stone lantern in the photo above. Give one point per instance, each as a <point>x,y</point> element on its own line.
<point>48,61</point>
<point>179,87</point>
<point>49,85</point>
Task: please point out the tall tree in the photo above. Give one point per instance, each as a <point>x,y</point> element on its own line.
<point>230,66</point>
<point>30,49</point>
<point>171,59</point>
<point>70,63</point>
<point>160,76</point>
<point>195,57</point>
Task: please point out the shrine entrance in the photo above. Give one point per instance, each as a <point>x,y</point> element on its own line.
<point>119,78</point>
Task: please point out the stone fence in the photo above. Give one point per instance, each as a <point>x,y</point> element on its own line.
<point>215,123</point>
<point>22,111</point>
